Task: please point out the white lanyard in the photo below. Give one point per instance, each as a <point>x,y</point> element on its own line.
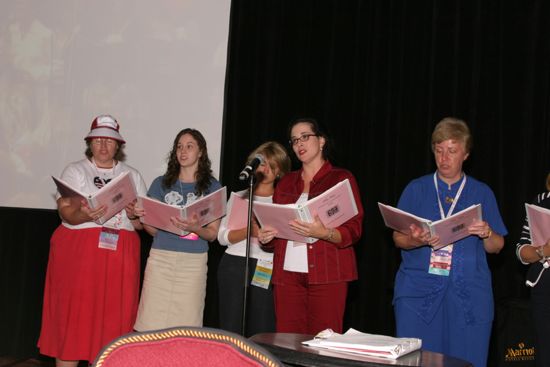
<point>455,199</point>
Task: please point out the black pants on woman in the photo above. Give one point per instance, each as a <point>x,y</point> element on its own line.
<point>540,308</point>
<point>260,310</point>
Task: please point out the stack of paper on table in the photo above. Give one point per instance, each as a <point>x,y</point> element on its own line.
<point>115,195</point>
<point>334,207</point>
<point>207,208</point>
<point>539,224</point>
<point>449,230</point>
<point>356,342</point>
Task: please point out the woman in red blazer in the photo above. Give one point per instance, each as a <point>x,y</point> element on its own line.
<point>311,280</point>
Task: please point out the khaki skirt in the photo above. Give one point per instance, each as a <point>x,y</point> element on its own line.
<point>174,290</point>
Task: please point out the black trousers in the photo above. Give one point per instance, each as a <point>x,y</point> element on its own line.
<point>260,310</point>
<point>540,308</point>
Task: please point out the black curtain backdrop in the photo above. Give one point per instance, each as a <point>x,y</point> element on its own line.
<point>24,248</point>
<point>380,75</point>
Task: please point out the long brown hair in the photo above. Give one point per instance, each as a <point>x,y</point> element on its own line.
<point>203,176</point>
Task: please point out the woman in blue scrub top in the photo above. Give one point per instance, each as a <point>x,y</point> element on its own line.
<point>445,296</point>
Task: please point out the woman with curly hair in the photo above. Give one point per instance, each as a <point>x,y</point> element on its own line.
<point>174,285</point>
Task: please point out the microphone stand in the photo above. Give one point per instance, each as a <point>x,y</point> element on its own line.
<point>247,256</point>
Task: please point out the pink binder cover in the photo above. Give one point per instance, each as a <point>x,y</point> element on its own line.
<point>115,195</point>
<point>334,207</point>
<point>208,208</point>
<point>539,224</point>
<point>455,227</point>
<point>158,215</point>
<point>400,220</point>
<point>278,217</point>
<point>238,214</point>
<point>449,230</point>
<point>67,191</point>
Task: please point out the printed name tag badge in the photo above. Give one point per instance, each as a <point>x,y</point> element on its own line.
<point>108,238</point>
<point>262,274</point>
<point>440,261</point>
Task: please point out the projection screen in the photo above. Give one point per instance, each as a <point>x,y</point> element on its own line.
<point>156,66</point>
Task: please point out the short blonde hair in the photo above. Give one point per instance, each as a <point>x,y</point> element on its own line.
<point>276,154</point>
<point>454,129</point>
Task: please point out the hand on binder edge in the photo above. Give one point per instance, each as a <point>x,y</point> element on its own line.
<point>95,214</point>
<point>312,229</point>
<point>423,236</point>
<point>188,224</point>
<point>76,210</point>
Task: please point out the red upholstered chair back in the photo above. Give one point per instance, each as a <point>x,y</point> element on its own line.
<point>184,346</point>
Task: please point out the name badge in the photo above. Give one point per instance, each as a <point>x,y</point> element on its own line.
<point>108,238</point>
<point>262,274</point>
<point>441,260</point>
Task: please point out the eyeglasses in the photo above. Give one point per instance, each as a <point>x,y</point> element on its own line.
<point>302,138</point>
<point>107,142</point>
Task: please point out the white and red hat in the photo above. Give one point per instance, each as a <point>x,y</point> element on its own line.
<point>105,126</point>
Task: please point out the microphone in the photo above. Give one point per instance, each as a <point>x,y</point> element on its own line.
<point>251,167</point>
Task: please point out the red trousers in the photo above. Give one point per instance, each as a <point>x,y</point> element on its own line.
<point>308,308</point>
